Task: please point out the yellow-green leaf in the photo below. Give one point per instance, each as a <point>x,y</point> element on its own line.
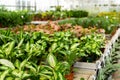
<point>51,59</point>
<point>7,63</point>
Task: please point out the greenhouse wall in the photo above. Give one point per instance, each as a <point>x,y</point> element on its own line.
<point>43,5</point>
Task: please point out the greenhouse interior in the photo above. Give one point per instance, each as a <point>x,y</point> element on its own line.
<point>59,39</point>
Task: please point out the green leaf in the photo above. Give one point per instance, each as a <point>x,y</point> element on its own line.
<point>3,68</point>
<point>46,72</point>
<point>27,47</point>
<point>9,78</point>
<point>51,59</point>
<point>10,48</point>
<point>7,63</point>
<point>16,73</point>
<point>60,76</point>
<point>82,79</point>
<point>17,63</point>
<point>17,79</point>
<point>23,64</point>
<point>44,77</point>
<point>33,69</point>
<point>74,46</point>
<point>55,75</point>
<point>20,43</point>
<point>53,47</point>
<point>62,66</point>
<point>5,45</point>
<point>26,75</point>
<point>3,75</point>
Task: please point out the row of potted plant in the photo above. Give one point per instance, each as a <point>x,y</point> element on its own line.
<point>14,18</point>
<point>37,55</point>
<point>107,23</point>
<point>59,14</point>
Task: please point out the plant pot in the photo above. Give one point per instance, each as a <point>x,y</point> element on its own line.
<point>69,76</point>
